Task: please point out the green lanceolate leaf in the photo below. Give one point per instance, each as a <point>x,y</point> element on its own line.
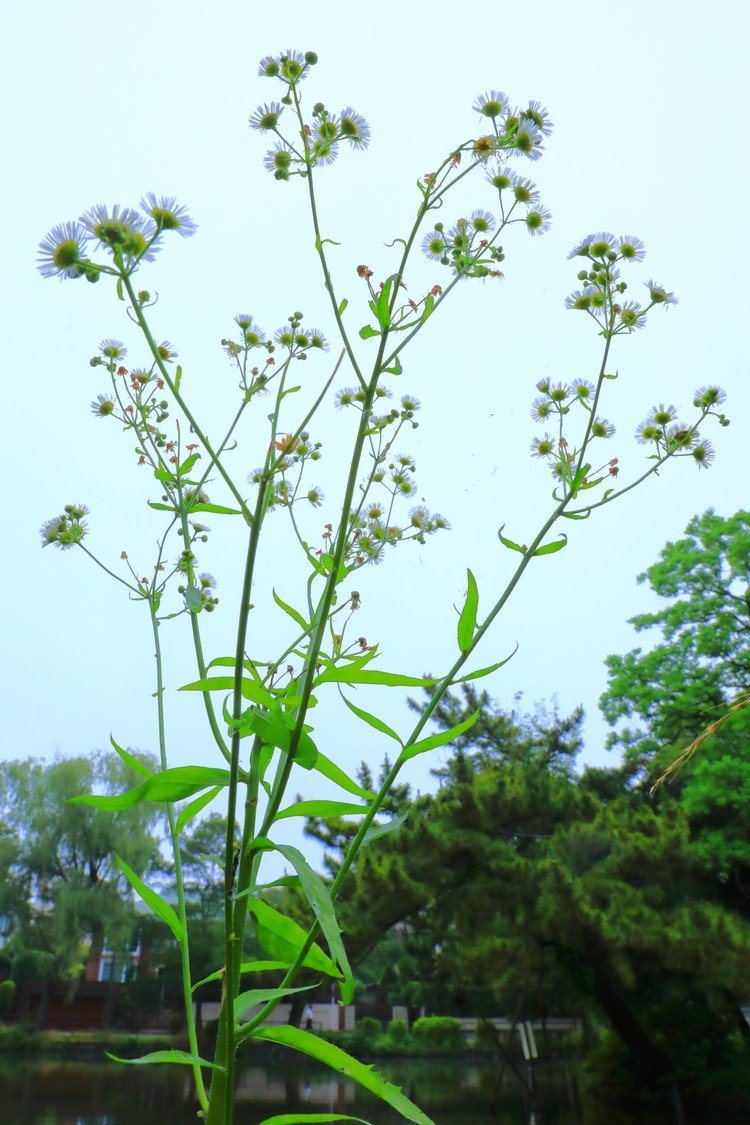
<point>550,548</point>
<point>366,332</point>
<point>310,1119</point>
<point>395,368</point>
<point>346,674</point>
<point>282,881</point>
<point>339,1061</point>
<point>283,938</point>
<point>217,509</point>
<point>195,807</point>
<point>372,720</point>
<point>187,465</point>
<point>467,622</point>
<point>165,1057</point>
<point>382,310</point>
<point>254,996</point>
<point>484,671</point>
<point>334,773</point>
<point>246,967</point>
<point>343,306</point>
<point>129,760</point>
<point>153,900</point>
<point>321,808</point>
<point>317,895</point>
<point>509,543</point>
<point>251,689</point>
<point>291,612</point>
<point>271,728</point>
<point>165,475</point>
<point>169,785</point>
<point>439,739</point>
<point>375,831</point>
<point>579,478</point>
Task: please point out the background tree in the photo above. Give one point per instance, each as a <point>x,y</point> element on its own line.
<point>63,856</point>
<point>526,887</point>
<point>700,663</point>
<point>202,848</point>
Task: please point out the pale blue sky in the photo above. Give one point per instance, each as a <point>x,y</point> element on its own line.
<point>104,104</point>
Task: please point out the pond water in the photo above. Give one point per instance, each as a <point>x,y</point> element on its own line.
<point>37,1091</point>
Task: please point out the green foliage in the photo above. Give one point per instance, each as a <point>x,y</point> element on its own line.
<point>398,1032</point>
<point>523,883</point>
<point>439,1033</point>
<point>139,997</point>
<point>67,854</point>
<point>33,964</point>
<point>7,996</point>
<point>685,681</point>
<point>367,1032</point>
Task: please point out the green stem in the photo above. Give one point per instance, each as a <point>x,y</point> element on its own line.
<point>181,913</point>
<point>437,696</point>
<point>143,325</point>
<point>219,1111</point>
<point>595,403</point>
<point>133,589</point>
<point>321,253</point>
<point>389,781</point>
<point>196,634</point>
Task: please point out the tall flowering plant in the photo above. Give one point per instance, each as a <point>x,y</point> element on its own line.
<point>258,700</point>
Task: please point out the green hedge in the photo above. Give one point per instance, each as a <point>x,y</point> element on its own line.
<point>439,1033</point>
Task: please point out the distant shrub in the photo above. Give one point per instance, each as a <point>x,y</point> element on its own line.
<point>366,1032</point>
<point>7,996</point>
<point>32,964</point>
<point>439,1033</point>
<point>398,1032</point>
<point>136,1000</point>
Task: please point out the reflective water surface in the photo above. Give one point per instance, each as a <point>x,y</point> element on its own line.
<point>37,1091</point>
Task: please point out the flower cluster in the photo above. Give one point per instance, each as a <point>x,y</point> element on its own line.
<point>322,138</point>
<point>557,398</point>
<point>517,131</point>
<point>470,245</point>
<point>288,452</point>
<point>373,526</point>
<point>206,587</point>
<point>135,399</point>
<point>299,341</point>
<point>466,247</point>
<point>553,403</point>
<point>66,530</point>
<point>662,431</point>
<point>601,295</point>
<point>296,341</point>
<point>516,191</point>
<point>199,595</point>
<point>129,235</point>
